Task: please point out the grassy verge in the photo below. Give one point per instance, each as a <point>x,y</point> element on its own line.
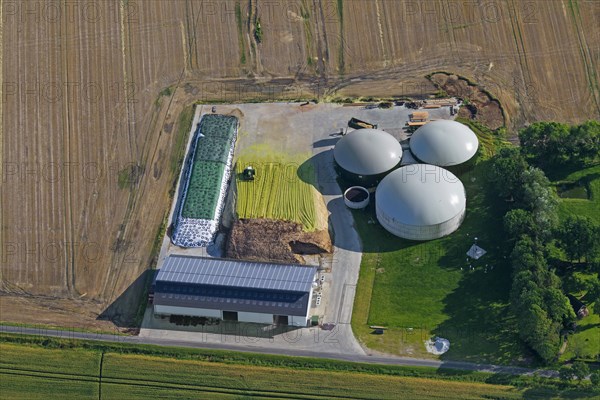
<point>250,359</point>
<point>240,30</point>
<point>42,327</point>
<point>342,49</point>
<point>184,124</point>
<point>308,34</point>
<point>28,370</point>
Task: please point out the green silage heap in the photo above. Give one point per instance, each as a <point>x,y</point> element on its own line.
<point>209,162</point>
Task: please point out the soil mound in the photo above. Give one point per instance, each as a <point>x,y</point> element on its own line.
<point>481,106</point>
<point>272,240</point>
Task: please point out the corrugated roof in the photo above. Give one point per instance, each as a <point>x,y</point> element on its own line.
<point>231,299</point>
<point>235,273</point>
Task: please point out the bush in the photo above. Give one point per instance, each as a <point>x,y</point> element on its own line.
<point>595,379</point>
<point>566,374</point>
<point>581,370</point>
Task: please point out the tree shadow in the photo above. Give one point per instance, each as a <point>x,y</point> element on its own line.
<point>480,324</point>
<point>126,311</point>
<point>374,237</point>
<point>559,173</point>
<point>239,331</point>
<point>584,328</point>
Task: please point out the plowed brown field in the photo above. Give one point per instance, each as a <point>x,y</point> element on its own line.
<point>82,104</point>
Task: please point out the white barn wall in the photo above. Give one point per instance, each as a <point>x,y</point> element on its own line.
<point>255,317</point>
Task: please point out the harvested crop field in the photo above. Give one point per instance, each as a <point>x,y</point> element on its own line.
<point>90,92</point>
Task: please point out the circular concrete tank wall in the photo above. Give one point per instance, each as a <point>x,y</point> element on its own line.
<point>420,202</point>
<point>356,197</point>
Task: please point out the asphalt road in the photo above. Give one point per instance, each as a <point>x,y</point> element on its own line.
<point>345,262</point>
<point>277,351</point>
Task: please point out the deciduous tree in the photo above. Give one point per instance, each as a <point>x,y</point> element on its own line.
<point>505,172</point>
<point>579,237</point>
<point>544,143</point>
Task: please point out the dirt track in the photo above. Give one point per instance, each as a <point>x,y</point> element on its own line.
<point>81,103</point>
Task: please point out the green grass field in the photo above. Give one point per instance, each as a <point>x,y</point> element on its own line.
<point>585,343</point>
<point>418,289</point>
<point>590,178</point>
<point>424,289</point>
<point>277,191</point>
<point>39,367</point>
<point>30,372</point>
<point>34,373</point>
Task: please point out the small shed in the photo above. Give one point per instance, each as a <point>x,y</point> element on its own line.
<point>579,307</point>
<point>476,252</point>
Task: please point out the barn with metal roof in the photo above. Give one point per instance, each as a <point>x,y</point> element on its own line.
<point>234,290</point>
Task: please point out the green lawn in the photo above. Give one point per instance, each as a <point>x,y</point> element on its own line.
<point>418,289</point>
<point>590,177</point>
<point>420,285</point>
<point>585,343</point>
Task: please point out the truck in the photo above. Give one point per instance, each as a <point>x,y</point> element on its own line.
<point>358,124</point>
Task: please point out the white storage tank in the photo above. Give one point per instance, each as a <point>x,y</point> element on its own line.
<point>365,156</point>
<point>420,202</point>
<point>444,143</point>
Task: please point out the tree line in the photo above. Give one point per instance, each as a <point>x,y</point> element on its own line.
<point>537,298</point>
<point>552,144</point>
